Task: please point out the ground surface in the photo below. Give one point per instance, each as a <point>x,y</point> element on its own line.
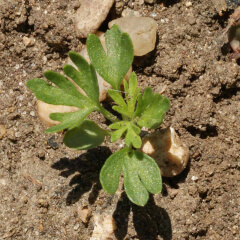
<point>43,184</point>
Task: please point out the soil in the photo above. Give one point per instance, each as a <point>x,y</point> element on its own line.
<point>43,183</point>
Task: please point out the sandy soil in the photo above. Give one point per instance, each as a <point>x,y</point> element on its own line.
<point>43,184</point>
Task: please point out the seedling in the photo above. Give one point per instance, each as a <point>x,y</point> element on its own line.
<point>140,172</point>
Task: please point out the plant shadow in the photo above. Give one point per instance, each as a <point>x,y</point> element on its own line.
<point>86,169</point>
<point>149,221</point>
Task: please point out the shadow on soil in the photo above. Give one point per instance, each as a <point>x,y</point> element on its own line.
<point>149,221</point>
<point>86,169</point>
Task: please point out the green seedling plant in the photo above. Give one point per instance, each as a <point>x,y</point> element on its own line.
<point>141,174</point>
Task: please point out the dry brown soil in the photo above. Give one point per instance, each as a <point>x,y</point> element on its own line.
<point>43,183</point>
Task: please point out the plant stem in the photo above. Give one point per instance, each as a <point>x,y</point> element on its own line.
<point>108,115</point>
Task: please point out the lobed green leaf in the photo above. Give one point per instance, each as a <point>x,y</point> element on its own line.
<point>68,120</point>
<point>151,109</point>
<point>111,171</point>
<point>122,110</point>
<point>85,78</point>
<point>56,96</point>
<point>132,92</point>
<point>117,98</point>
<point>114,65</point>
<point>132,137</point>
<point>118,133</point>
<point>141,174</point>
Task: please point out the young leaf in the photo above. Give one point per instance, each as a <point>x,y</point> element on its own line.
<point>132,133</point>
<point>118,133</point>
<point>132,92</point>
<point>85,136</point>
<point>132,137</point>
<point>85,78</point>
<point>144,101</point>
<point>117,98</point>
<point>122,110</point>
<point>57,96</point>
<point>114,65</point>
<point>118,125</point>
<point>151,109</point>
<point>68,120</point>
<point>141,174</point>
<point>111,171</point>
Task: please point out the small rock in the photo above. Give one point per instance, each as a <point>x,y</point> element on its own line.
<point>142,31</point>
<point>119,5</point>
<point>140,2</point>
<point>84,213</point>
<point>28,41</point>
<point>11,134</point>
<point>41,154</point>
<point>2,131</point>
<point>169,152</point>
<point>173,193</point>
<point>18,134</point>
<point>32,113</point>
<point>150,1</point>
<point>130,13</point>
<point>188,4</point>
<point>43,203</point>
<point>194,178</point>
<point>104,227</point>
<point>45,109</point>
<point>76,227</point>
<point>90,16</point>
<point>52,143</point>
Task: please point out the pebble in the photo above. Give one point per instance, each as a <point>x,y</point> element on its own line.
<point>150,1</point>
<point>90,16</point>
<point>130,13</point>
<point>2,131</point>
<point>32,113</point>
<point>76,227</point>
<point>18,134</point>
<point>194,178</point>
<point>168,150</point>
<point>142,31</point>
<point>41,154</point>
<point>11,134</point>
<point>140,2</point>
<point>188,4</point>
<point>84,213</point>
<point>28,41</point>
<point>43,203</point>
<point>44,110</point>
<point>104,227</point>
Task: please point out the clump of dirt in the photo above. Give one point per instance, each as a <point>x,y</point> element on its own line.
<point>43,183</point>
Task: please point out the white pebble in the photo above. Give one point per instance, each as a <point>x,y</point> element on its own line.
<point>194,178</point>
<point>32,113</point>
<point>188,4</point>
<point>76,227</point>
